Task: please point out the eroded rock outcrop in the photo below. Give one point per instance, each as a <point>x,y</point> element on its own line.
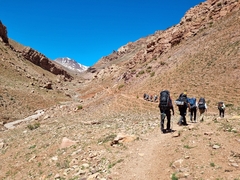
<point>3,33</point>
<point>42,61</point>
<point>196,19</point>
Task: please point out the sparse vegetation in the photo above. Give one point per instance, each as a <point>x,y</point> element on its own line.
<point>80,107</point>
<point>107,139</point>
<point>113,164</point>
<point>120,86</point>
<point>33,126</point>
<point>174,177</point>
<point>141,72</point>
<point>162,63</point>
<point>152,74</point>
<point>212,164</point>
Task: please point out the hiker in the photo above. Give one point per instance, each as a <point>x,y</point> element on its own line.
<point>221,108</point>
<point>165,106</point>
<point>146,97</point>
<point>182,103</point>
<point>151,98</point>
<point>155,98</point>
<point>202,107</point>
<point>192,109</point>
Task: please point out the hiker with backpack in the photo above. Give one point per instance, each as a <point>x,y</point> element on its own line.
<point>202,107</point>
<point>165,106</point>
<point>221,108</point>
<point>182,103</point>
<point>146,97</point>
<point>155,98</point>
<point>192,109</point>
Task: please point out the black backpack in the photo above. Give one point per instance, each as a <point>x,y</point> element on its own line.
<point>181,102</point>
<point>220,105</point>
<point>164,100</point>
<point>201,103</point>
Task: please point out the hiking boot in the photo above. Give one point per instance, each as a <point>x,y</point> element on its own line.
<point>179,124</point>
<point>168,130</point>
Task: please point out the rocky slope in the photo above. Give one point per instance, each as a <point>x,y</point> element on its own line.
<point>187,57</point>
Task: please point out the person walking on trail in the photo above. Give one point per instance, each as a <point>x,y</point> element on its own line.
<point>165,107</point>
<point>182,103</point>
<point>155,98</point>
<point>221,108</point>
<point>202,107</point>
<point>193,109</point>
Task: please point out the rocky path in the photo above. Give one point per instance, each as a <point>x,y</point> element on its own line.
<point>145,157</point>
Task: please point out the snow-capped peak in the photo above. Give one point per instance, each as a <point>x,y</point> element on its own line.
<point>71,64</point>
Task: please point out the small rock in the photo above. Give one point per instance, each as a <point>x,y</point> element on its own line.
<point>176,134</point>
<point>85,165</point>
<point>55,158</point>
<point>1,145</point>
<point>234,165</point>
<point>208,133</point>
<point>187,157</point>
<point>67,143</point>
<point>216,146</point>
<point>177,164</point>
<point>57,176</point>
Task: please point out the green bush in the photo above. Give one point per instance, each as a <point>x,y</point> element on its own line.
<point>80,107</point>
<point>33,126</point>
<point>141,72</point>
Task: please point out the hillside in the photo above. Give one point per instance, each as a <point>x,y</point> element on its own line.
<point>96,125</point>
<point>26,87</point>
<point>203,52</point>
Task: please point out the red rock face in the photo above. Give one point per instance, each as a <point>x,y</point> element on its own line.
<point>42,61</point>
<point>3,33</point>
<point>195,19</point>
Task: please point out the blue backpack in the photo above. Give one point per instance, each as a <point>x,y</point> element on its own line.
<point>192,102</point>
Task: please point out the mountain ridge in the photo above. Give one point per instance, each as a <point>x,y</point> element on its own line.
<point>71,64</point>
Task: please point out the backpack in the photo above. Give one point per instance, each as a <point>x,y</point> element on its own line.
<point>181,102</point>
<point>220,105</point>
<point>164,100</point>
<point>201,103</point>
<point>192,102</point>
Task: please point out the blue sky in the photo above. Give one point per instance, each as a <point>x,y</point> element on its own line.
<point>86,30</point>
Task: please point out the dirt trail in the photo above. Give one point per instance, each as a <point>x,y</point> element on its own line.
<point>145,156</point>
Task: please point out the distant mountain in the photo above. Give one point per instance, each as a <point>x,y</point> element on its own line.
<point>71,64</point>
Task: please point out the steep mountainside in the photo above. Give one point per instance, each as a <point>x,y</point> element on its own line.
<point>26,87</point>
<point>199,55</point>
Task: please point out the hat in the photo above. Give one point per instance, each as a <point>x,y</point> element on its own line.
<point>185,93</point>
